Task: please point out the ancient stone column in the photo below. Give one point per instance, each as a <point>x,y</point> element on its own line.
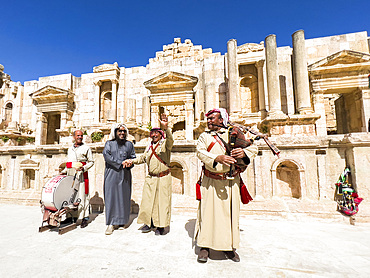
<point>97,101</point>
<point>114,100</point>
<point>232,67</point>
<point>261,89</point>
<point>272,76</point>
<point>132,110</point>
<point>63,119</point>
<point>189,119</point>
<point>154,115</point>
<point>366,110</point>
<point>319,104</point>
<point>41,129</point>
<point>146,110</point>
<point>300,73</point>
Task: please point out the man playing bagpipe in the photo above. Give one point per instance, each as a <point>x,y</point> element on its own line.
<point>219,196</point>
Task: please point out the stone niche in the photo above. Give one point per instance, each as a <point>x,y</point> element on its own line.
<point>55,107</point>
<point>172,93</point>
<point>342,80</point>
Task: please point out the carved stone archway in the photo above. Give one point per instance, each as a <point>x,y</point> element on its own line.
<point>301,176</point>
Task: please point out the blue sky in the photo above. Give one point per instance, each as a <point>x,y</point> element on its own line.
<point>43,38</point>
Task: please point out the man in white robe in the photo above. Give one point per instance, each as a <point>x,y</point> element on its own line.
<point>79,152</point>
<point>217,224</point>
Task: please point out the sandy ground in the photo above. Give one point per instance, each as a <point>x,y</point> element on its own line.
<point>270,247</point>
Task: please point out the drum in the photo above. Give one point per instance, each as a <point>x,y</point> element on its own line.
<point>58,192</point>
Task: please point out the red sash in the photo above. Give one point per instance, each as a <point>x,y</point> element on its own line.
<point>199,182</point>
<point>86,176</point>
<point>245,197</point>
<point>156,155</point>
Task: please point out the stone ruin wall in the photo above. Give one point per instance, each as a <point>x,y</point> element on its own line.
<point>312,163</point>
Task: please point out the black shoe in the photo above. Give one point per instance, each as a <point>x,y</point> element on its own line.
<point>159,231</point>
<point>203,255</point>
<point>69,220</point>
<point>232,255</point>
<point>145,229</point>
<point>84,223</point>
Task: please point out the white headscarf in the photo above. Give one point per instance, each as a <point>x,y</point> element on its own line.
<point>112,135</point>
<point>223,112</point>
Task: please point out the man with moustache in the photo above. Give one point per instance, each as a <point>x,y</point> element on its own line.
<point>217,225</point>
<point>117,178</point>
<point>79,152</point>
<point>155,208</point>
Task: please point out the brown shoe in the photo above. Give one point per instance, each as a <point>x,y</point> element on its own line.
<point>159,231</point>
<point>203,255</point>
<point>232,255</point>
<point>84,223</point>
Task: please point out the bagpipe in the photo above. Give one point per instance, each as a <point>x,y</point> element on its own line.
<point>237,139</point>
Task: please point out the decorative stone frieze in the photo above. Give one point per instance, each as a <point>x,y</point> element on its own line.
<point>250,47</point>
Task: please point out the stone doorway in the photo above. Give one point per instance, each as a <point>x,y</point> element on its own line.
<point>249,94</point>
<point>28,179</point>
<point>1,177</point>
<point>53,123</point>
<point>288,180</point>
<point>177,178</point>
<point>348,112</point>
<point>106,106</point>
<point>8,112</point>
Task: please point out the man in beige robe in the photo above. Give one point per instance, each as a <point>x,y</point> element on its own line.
<point>217,224</point>
<point>79,152</point>
<point>155,207</point>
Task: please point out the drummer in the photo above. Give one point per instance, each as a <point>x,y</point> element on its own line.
<point>79,152</point>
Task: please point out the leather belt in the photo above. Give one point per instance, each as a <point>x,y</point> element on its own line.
<point>161,174</point>
<point>219,176</point>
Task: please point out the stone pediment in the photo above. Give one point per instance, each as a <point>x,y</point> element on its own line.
<point>250,47</point>
<point>29,164</point>
<point>51,94</point>
<point>53,99</point>
<point>343,58</point>
<point>170,81</point>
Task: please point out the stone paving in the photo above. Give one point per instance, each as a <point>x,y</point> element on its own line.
<point>270,247</point>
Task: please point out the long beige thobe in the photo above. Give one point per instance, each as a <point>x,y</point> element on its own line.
<point>157,192</point>
<point>80,153</point>
<point>217,225</point>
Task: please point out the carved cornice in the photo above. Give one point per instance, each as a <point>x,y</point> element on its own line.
<point>343,70</point>
<point>106,67</point>
<point>250,47</point>
<point>341,59</point>
<point>50,98</point>
<point>51,93</point>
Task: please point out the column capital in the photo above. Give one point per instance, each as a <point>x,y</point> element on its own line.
<point>155,108</point>
<point>98,83</point>
<point>189,104</point>
<point>260,63</point>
